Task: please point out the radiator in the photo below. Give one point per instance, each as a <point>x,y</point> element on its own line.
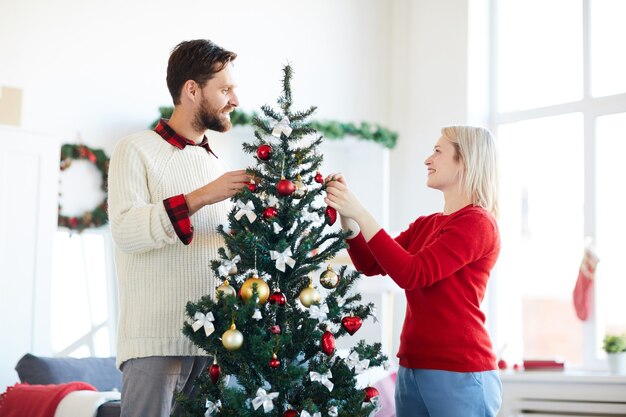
<point>567,408</point>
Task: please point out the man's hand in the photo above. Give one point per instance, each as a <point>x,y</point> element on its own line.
<point>221,189</point>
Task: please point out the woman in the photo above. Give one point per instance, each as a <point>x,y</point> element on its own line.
<point>443,262</point>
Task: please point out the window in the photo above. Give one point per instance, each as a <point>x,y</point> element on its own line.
<point>559,114</point>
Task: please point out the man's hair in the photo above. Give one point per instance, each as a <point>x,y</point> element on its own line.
<point>197,60</point>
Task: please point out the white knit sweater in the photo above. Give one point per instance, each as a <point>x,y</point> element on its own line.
<point>157,274</point>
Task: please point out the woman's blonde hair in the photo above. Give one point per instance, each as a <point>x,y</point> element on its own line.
<point>476,149</point>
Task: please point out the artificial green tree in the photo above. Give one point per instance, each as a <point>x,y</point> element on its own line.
<point>270,330</point>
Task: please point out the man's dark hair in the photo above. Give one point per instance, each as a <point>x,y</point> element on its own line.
<point>196,60</point>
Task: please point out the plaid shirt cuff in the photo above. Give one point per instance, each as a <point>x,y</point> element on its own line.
<point>178,213</point>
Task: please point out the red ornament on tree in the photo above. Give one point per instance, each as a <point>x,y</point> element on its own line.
<point>318,178</point>
<point>351,324</point>
<point>328,343</point>
<point>331,215</point>
<point>270,212</point>
<point>275,329</point>
<point>285,187</point>
<point>252,187</point>
<point>290,413</point>
<point>264,152</point>
<point>215,371</point>
<point>274,362</point>
<point>370,392</point>
<point>278,297</point>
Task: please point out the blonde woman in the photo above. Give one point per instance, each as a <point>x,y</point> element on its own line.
<point>443,262</point>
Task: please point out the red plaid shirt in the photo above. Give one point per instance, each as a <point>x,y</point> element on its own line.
<point>176,206</point>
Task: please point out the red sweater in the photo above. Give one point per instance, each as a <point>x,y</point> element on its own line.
<point>443,263</point>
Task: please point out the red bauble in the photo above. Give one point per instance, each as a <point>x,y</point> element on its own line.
<point>278,297</point>
<point>264,152</point>
<point>252,187</point>
<point>290,413</point>
<point>275,329</point>
<point>285,187</point>
<point>502,364</point>
<point>351,324</point>
<point>331,215</point>
<point>215,372</point>
<point>370,392</point>
<point>270,212</point>
<point>318,178</point>
<point>328,343</point>
<point>274,362</point>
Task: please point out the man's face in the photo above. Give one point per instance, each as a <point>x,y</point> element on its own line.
<point>217,101</point>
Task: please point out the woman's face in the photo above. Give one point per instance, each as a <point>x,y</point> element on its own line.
<point>443,168</point>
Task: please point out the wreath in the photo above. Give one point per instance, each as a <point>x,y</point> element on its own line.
<point>98,216</point>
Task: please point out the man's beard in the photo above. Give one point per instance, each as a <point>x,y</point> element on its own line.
<point>207,118</point>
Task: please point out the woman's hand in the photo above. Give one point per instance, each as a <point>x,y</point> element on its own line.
<point>339,196</point>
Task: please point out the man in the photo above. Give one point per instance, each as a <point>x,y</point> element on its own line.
<point>168,192</point>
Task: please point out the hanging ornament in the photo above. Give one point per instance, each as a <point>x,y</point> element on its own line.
<point>263,290</point>
<point>203,320</point>
<point>274,362</point>
<point>282,127</point>
<point>270,212</point>
<point>252,186</point>
<point>319,178</point>
<point>264,152</point>
<point>309,295</point>
<point>229,266</point>
<point>257,314</point>
<point>245,209</point>
<point>290,413</point>
<point>283,258</point>
<point>329,278</point>
<point>232,339</point>
<point>275,329</point>
<point>226,289</point>
<point>278,298</point>
<point>370,392</point>
<point>331,215</point>
<point>264,399</point>
<point>351,324</point>
<point>300,188</point>
<point>328,343</point>
<point>285,187</point>
<point>215,371</point>
<point>323,379</point>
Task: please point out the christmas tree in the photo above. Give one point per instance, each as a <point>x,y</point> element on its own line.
<point>270,330</point>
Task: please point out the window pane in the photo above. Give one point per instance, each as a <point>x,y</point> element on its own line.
<point>542,237</point>
<point>610,222</point>
<point>608,60</point>
<point>539,53</point>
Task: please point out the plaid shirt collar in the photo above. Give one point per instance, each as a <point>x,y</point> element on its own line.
<point>174,139</point>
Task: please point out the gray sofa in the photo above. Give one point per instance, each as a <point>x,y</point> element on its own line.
<point>99,372</point>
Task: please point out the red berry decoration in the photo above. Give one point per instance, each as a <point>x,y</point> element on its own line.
<point>331,215</point>
<point>215,371</point>
<point>285,187</point>
<point>370,392</point>
<point>328,343</point>
<point>278,297</point>
<point>351,324</point>
<point>252,187</point>
<point>264,152</point>
<point>270,212</point>
<point>318,178</point>
<point>274,362</point>
<point>275,329</point>
<point>290,413</point>
<point>502,364</point>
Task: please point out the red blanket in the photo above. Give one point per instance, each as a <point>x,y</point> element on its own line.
<point>25,400</point>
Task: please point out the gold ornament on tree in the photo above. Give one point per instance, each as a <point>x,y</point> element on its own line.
<point>309,295</point>
<point>263,290</point>
<point>232,339</point>
<point>226,289</point>
<point>329,278</point>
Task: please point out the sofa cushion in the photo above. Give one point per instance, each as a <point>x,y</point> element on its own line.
<point>99,372</point>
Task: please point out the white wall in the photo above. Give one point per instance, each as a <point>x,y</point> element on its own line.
<point>96,70</point>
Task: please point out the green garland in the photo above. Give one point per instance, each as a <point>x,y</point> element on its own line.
<point>329,129</point>
<point>98,216</point>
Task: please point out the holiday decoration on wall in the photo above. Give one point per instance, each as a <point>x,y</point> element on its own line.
<point>270,327</point>
<point>98,216</point>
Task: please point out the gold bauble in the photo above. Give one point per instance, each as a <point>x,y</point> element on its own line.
<point>309,296</point>
<point>329,278</point>
<point>226,289</point>
<point>232,339</point>
<point>301,188</point>
<point>263,290</point>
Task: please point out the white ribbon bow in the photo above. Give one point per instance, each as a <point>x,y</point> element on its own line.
<point>319,312</point>
<point>305,413</point>
<point>282,259</point>
<point>282,127</point>
<point>257,314</point>
<point>315,219</point>
<point>359,366</point>
<point>272,201</point>
<point>333,411</point>
<point>265,399</point>
<point>247,210</point>
<point>211,407</point>
<point>227,265</point>
<point>323,379</point>
<point>277,227</point>
<point>377,406</point>
<point>202,320</point>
